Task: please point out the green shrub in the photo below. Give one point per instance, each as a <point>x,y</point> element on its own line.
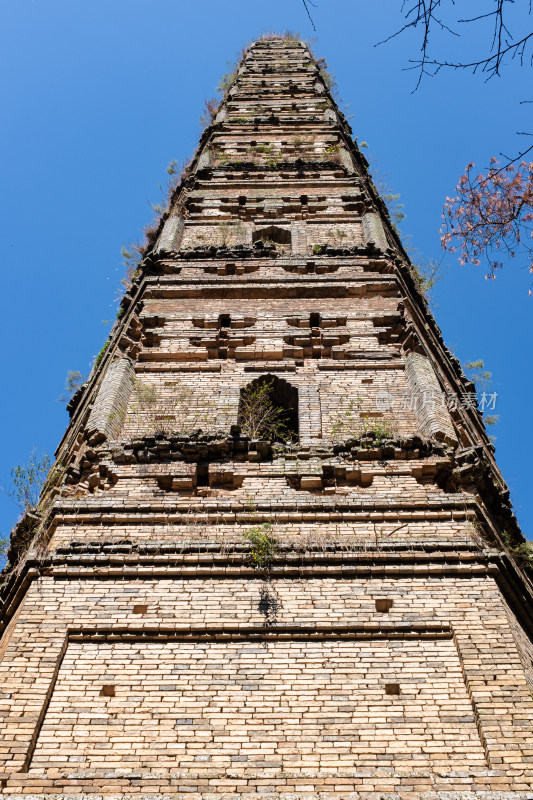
<point>28,480</point>
<point>263,546</point>
<point>100,355</point>
<point>260,417</point>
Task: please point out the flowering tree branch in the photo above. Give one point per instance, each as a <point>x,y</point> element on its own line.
<point>490,214</point>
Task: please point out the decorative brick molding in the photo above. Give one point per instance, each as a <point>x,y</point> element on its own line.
<point>171,235</point>
<point>374,232</point>
<point>109,408</point>
<point>429,403</point>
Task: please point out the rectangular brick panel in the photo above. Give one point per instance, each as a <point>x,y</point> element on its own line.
<point>288,704</point>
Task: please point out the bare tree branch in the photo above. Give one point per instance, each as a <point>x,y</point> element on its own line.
<point>427,15</point>
<point>421,14</point>
<point>508,160</point>
<point>491,64</point>
<point>492,212</point>
<point>305,2</point>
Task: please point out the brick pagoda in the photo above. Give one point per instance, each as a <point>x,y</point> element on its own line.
<point>336,608</point>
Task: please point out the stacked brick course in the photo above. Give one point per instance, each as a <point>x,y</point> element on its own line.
<point>382,647</point>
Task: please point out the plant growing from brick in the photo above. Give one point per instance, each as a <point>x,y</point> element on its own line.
<point>477,373</point>
<point>28,480</point>
<point>327,76</point>
<point>228,77</point>
<point>339,236</point>
<point>177,172</point>
<point>132,255</point>
<point>354,422</point>
<point>380,431</point>
<point>182,412</point>
<point>100,355</point>
<point>210,110</point>
<point>426,274</point>
<point>259,416</point>
<point>73,382</point>
<point>272,156</point>
<point>230,232</point>
<point>147,394</point>
<point>3,548</point>
<point>263,546</point>
<point>35,486</point>
<point>522,553</point>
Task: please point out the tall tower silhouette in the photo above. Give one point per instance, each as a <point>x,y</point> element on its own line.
<point>275,555</point>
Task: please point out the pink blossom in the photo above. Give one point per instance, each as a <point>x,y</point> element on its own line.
<point>489,213</point>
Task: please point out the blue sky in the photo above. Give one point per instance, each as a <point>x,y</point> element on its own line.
<point>99,96</point>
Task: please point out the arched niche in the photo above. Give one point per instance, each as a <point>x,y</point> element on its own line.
<point>268,409</point>
<point>274,233</point>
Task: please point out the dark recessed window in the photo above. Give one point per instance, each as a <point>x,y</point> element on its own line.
<point>392,688</point>
<point>202,475</point>
<point>383,605</point>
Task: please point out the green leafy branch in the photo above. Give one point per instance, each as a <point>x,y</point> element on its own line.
<point>73,382</point>
<point>259,416</point>
<point>28,480</point>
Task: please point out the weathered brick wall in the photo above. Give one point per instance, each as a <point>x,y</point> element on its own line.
<point>286,705</point>
<point>189,402</point>
<point>169,526</point>
<point>147,684</point>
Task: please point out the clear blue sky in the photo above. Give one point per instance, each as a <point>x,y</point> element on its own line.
<point>99,95</point>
